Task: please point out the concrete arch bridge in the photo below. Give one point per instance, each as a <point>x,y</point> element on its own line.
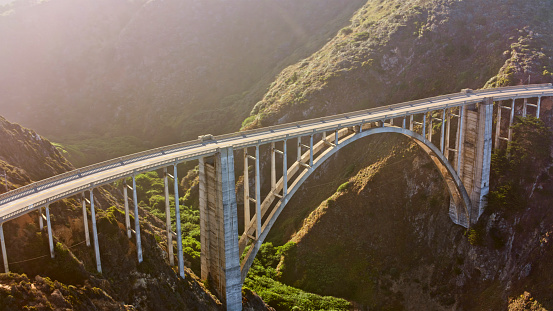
<point>460,147</point>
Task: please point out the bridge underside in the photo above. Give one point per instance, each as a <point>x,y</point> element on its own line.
<point>217,220</point>
<point>471,148</point>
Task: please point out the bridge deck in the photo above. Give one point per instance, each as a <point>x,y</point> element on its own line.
<point>30,197</point>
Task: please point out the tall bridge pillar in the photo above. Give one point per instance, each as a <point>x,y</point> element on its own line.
<point>476,150</point>
<point>220,260</point>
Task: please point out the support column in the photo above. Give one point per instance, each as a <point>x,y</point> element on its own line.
<point>50,237</point>
<point>247,216</point>
<point>233,281</point>
<point>447,133</point>
<point>178,224</point>
<point>511,119</point>
<point>411,122</point>
<point>481,181</point>
<point>40,219</point>
<point>403,124</point>
<point>442,132</point>
<point>430,127</point>
<point>524,105</point>
<point>284,170</point>
<point>95,232</point>
<point>474,157</point>
<point>460,140</point>
<point>336,137</point>
<point>168,218</point>
<point>298,156</point>
<point>498,126</point>
<point>273,167</point>
<point>424,125</point>
<point>127,216</point>
<point>136,221</point>
<point>85,220</point>
<point>4,254</point>
<point>204,224</point>
<point>258,189</point>
<point>219,226</point>
<point>539,108</point>
<point>311,150</point>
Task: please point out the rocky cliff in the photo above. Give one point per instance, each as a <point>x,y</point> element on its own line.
<point>70,279</point>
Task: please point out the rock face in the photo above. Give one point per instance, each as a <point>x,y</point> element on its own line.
<point>25,155</point>
<point>70,279</point>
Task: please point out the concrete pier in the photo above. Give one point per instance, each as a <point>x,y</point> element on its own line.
<point>50,237</point>
<point>474,155</point>
<point>180,259</point>
<point>95,233</point>
<point>168,218</point>
<point>3,246</point>
<point>85,220</point>
<point>258,189</point>
<point>136,221</point>
<point>127,216</point>
<point>483,159</point>
<point>219,227</point>
<point>40,219</point>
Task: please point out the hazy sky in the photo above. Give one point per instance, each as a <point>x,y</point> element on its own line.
<point>3,2</point>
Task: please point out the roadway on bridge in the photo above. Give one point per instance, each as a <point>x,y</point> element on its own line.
<point>239,140</point>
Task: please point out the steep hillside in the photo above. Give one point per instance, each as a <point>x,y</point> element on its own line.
<point>400,50</point>
<point>106,78</point>
<point>70,279</point>
<point>385,240</point>
<point>395,51</point>
<point>24,148</point>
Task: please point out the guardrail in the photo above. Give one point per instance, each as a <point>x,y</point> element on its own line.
<point>98,167</point>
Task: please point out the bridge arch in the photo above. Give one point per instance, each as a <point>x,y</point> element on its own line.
<point>459,214</point>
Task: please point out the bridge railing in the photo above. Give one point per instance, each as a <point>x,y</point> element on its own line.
<point>370,111</point>
<point>91,169</point>
<point>87,170</point>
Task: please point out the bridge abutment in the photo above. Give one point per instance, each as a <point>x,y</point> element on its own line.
<point>220,262</point>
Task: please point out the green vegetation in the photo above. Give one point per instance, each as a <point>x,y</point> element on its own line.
<point>150,193</point>
<point>343,187</point>
<point>248,120</point>
<point>83,150</point>
<point>525,302</point>
<point>263,279</point>
<point>475,236</point>
<point>346,31</point>
<point>511,169</point>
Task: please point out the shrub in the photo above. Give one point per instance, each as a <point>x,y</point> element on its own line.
<point>362,36</point>
<point>346,31</point>
<point>475,236</point>
<point>343,187</point>
<point>248,120</point>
